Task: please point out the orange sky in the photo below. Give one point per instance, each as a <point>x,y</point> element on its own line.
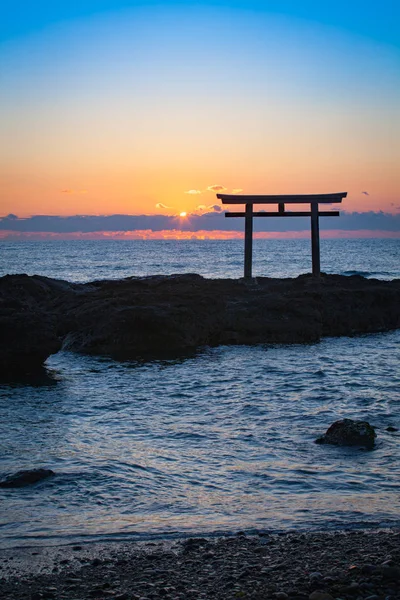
<point>124,113</point>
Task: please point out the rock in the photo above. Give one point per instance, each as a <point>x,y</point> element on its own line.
<point>368,569</point>
<point>23,478</point>
<point>391,429</point>
<point>389,572</point>
<point>26,341</point>
<point>347,432</point>
<point>152,317</point>
<point>28,324</point>
<point>96,592</point>
<point>317,595</point>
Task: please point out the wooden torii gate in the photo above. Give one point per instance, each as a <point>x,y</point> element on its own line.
<point>313,199</point>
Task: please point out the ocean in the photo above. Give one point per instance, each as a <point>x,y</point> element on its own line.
<point>214,442</point>
<point>87,260</point>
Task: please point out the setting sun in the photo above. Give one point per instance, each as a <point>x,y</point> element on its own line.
<point>183,214</point>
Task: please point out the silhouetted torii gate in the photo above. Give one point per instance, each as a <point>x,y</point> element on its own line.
<point>313,199</point>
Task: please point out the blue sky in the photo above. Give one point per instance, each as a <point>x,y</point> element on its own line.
<point>378,20</point>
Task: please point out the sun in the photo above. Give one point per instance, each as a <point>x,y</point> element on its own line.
<point>183,214</point>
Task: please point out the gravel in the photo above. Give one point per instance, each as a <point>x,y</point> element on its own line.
<point>345,565</point>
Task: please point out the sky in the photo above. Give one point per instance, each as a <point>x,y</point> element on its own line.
<point>150,108</point>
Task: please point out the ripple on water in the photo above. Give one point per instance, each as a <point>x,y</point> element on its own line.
<point>222,440</point>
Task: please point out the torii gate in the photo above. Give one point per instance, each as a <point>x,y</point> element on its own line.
<point>313,199</point>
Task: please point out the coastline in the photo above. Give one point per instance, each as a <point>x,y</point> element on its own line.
<point>302,564</point>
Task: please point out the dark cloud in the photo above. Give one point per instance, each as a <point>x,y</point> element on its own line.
<point>213,219</point>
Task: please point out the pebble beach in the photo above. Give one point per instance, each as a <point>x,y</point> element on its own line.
<point>346,565</point>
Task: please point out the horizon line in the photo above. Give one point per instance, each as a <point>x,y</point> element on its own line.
<point>201,235</point>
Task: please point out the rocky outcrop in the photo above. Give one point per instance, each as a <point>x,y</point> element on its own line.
<point>24,478</point>
<point>28,325</point>
<point>347,432</point>
<point>159,315</point>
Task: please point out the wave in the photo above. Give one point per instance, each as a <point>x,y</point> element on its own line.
<point>368,274</point>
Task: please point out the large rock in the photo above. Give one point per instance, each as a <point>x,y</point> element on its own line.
<point>347,432</point>
<point>24,478</point>
<point>26,341</point>
<point>28,324</point>
<point>161,315</point>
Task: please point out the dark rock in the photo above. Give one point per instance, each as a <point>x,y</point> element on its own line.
<point>389,572</point>
<point>28,325</point>
<point>149,317</point>
<point>391,429</point>
<point>26,341</point>
<point>23,478</point>
<point>368,569</point>
<point>347,432</point>
<point>320,596</point>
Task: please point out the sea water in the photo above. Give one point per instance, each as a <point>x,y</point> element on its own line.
<point>218,441</point>
<point>87,260</point>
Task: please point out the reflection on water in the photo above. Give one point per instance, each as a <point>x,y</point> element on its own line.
<point>223,440</point>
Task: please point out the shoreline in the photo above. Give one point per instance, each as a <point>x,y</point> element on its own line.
<point>338,563</point>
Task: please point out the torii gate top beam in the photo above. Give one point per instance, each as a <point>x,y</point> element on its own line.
<point>288,199</point>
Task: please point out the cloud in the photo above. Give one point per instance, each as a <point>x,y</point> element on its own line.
<point>67,191</point>
<point>237,191</point>
<point>216,188</point>
<point>160,205</point>
<point>193,192</point>
<point>365,193</point>
<point>213,219</point>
